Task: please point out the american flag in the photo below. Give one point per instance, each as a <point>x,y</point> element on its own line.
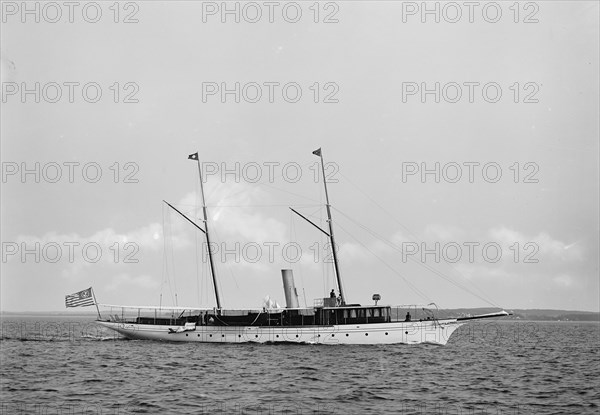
<point>81,299</point>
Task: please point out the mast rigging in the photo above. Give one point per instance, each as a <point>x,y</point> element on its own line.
<point>206,234</point>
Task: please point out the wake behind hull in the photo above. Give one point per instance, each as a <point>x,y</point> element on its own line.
<point>430,331</point>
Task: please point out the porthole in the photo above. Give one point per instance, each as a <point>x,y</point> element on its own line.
<point>277,335</point>
<point>198,335</point>
<point>256,335</point>
<point>346,334</point>
<point>366,334</point>
<point>405,332</point>
<point>296,335</point>
<point>210,335</point>
<point>239,335</point>
<point>386,333</point>
<point>186,334</point>
<point>222,335</point>
<point>333,335</point>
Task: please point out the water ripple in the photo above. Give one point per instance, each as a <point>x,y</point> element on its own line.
<point>542,372</point>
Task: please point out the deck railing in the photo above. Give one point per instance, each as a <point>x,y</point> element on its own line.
<point>328,315</point>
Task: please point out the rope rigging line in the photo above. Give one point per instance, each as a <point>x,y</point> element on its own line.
<point>482,295</point>
<point>226,263</point>
<point>327,271</point>
<point>429,268</point>
<point>294,238</point>
<point>198,272</point>
<point>378,205</point>
<point>231,194</point>
<point>288,192</point>
<point>168,249</point>
<point>254,206</point>
<point>410,285</point>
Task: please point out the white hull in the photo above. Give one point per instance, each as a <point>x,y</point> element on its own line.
<point>414,332</point>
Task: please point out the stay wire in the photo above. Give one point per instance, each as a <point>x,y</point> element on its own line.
<point>429,268</point>
<point>483,296</point>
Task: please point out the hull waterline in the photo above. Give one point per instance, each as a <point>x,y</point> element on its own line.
<point>415,332</point>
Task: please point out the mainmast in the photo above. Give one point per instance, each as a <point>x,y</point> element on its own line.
<point>210,257</point>
<point>336,266</point>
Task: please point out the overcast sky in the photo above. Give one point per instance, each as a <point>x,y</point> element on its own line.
<point>531,152</point>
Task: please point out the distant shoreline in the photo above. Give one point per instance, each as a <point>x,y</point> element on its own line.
<point>518,314</point>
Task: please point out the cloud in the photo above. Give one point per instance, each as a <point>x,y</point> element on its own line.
<point>532,264</point>
<point>563,280</point>
<point>550,248</point>
<point>230,216</point>
<point>79,251</point>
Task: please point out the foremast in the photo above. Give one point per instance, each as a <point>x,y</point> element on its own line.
<point>331,235</point>
<point>206,233</point>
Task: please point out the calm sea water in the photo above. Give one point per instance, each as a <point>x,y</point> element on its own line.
<point>71,366</point>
